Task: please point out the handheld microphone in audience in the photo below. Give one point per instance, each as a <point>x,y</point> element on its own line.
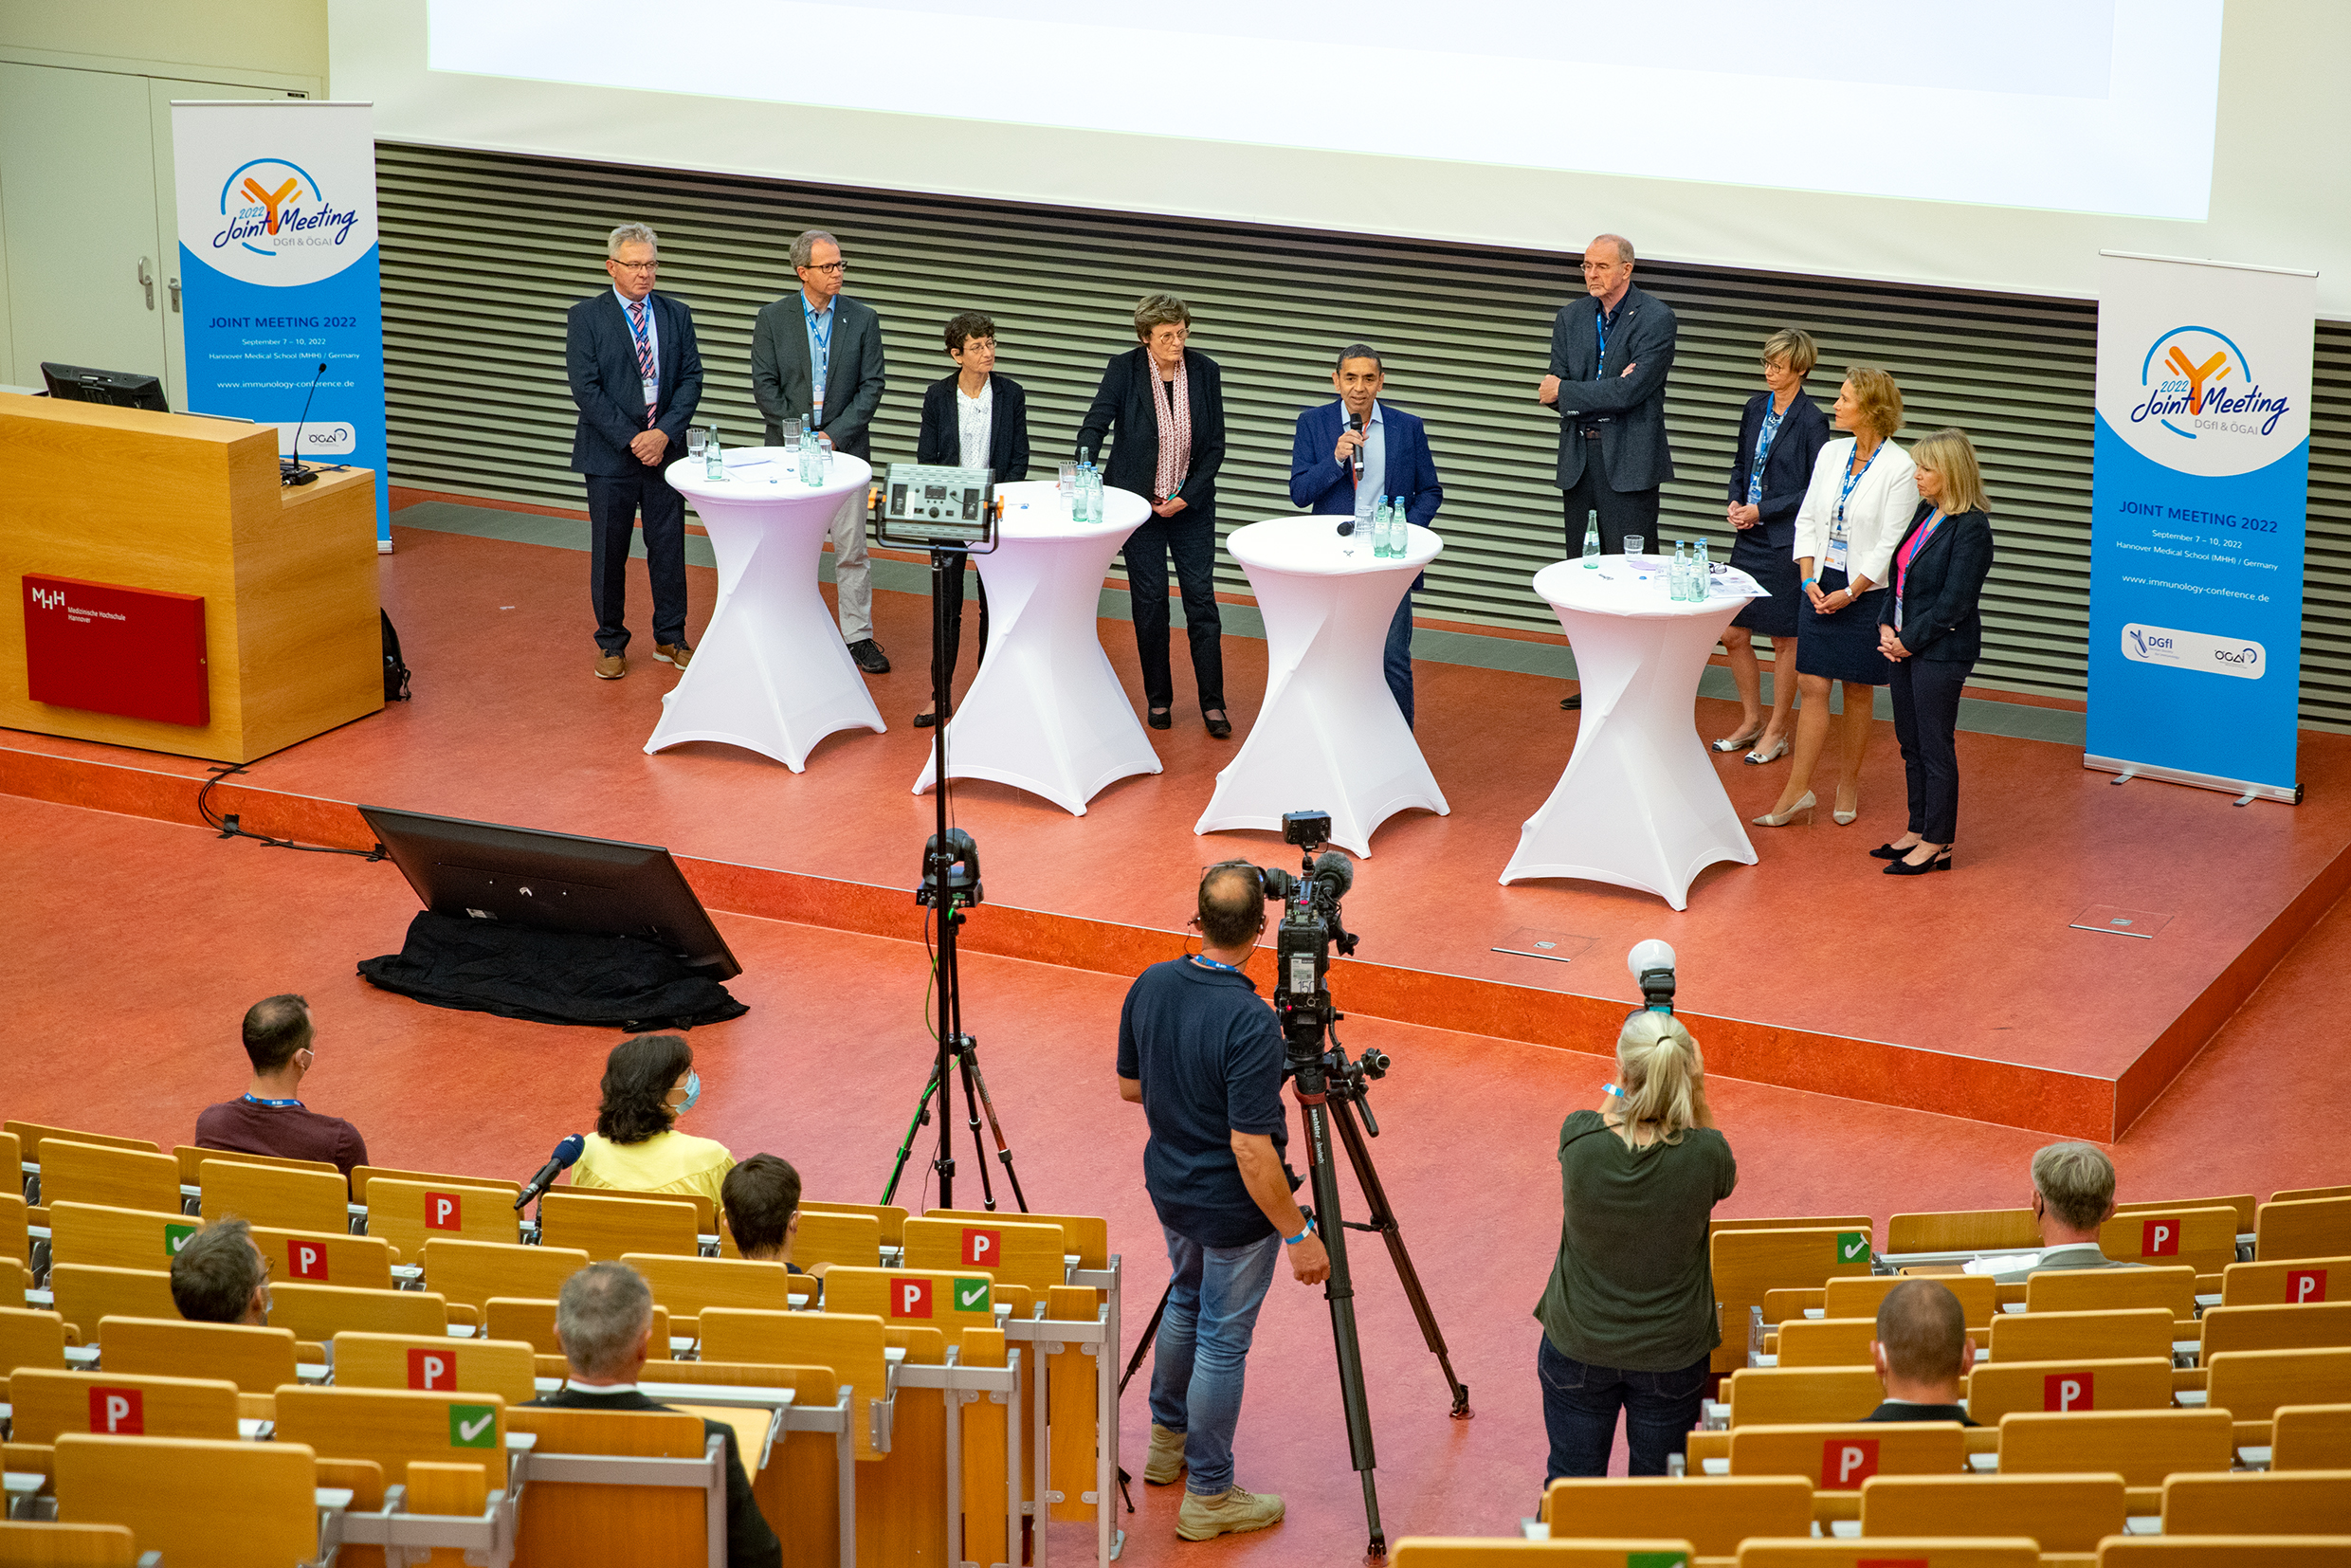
<point>561,1160</point>
<point>1652,964</point>
<point>290,469</point>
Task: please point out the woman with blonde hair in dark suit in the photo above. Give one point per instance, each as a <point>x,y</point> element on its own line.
<point>1931,627</point>
<point>1781,433</point>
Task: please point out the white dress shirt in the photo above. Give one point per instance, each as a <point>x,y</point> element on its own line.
<point>974,418</point>
<point>1876,514</point>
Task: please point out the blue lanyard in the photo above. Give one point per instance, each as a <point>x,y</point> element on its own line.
<point>1845,490</point>
<point>1772,418</point>
<point>1207,962</point>
<point>640,316</point>
<point>273,1104</point>
<point>1599,327</point>
<point>822,338</point>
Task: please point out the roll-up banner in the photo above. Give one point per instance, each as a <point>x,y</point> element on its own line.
<point>2199,503</point>
<point>278,260</point>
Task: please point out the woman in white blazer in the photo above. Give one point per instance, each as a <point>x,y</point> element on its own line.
<point>1863,492</point>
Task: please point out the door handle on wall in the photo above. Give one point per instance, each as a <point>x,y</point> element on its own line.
<point>173,285</point>
<point>147,282</point>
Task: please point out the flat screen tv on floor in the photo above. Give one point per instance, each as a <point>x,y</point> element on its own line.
<point>554,882</point>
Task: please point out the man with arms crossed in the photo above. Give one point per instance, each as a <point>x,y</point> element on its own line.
<point>1349,454</point>
<point>1199,1051</point>
<point>637,376</point>
<point>816,356</point>
<point>1610,353</point>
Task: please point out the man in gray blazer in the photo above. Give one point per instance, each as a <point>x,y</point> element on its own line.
<point>816,356</point>
<point>1610,353</point>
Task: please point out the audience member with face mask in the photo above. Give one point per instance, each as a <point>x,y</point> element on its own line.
<point>648,1083</point>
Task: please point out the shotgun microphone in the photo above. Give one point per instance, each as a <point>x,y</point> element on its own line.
<point>290,469</point>
<point>561,1160</point>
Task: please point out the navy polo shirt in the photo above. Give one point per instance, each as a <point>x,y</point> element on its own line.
<point>1209,1055</point>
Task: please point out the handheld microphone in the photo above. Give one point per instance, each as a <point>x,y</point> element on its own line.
<point>561,1160</point>
<point>290,470</point>
<point>1354,461</point>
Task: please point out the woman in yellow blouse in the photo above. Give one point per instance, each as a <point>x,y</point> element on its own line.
<point>648,1083</point>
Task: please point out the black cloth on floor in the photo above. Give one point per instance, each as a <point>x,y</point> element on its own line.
<point>549,977</point>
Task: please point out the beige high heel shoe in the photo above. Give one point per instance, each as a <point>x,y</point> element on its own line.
<point>1780,819</point>
<point>1843,818</point>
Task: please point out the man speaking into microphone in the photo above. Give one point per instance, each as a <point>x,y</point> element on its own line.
<point>1350,453</point>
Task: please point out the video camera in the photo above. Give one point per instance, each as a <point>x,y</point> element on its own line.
<point>1311,919</point>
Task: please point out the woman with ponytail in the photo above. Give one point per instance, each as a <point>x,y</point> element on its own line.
<point>1629,1317</point>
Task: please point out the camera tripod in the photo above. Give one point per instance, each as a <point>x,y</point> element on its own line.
<point>951,885</point>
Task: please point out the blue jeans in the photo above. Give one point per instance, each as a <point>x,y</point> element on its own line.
<point>1203,1350</point>
<point>1396,659</point>
<point>1579,1412</point>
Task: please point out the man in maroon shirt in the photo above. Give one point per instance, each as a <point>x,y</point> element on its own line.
<point>268,1119</point>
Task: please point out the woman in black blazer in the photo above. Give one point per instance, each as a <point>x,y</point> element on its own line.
<point>1780,435</point>
<point>998,407</point>
<point>1167,403</point>
<point>1932,629</point>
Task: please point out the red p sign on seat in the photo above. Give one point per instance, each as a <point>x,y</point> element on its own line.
<point>432,1370</point>
<point>444,1212</point>
<point>910,1298</point>
<point>117,1411</point>
<point>1847,1462</point>
<point>2305,1284</point>
<point>2160,1238</point>
<point>982,1247</point>
<point>305,1259</point>
<point>2069,1391</point>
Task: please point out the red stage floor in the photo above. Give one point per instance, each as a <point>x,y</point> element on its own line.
<point>1967,994</point>
<point>139,944</point>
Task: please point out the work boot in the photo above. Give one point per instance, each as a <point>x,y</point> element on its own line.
<point>1228,1513</point>
<point>1166,1459</point>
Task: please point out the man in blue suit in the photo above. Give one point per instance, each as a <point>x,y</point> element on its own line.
<point>637,377</point>
<point>1350,453</point>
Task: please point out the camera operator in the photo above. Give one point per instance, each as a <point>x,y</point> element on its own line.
<point>1629,1317</point>
<point>1200,1051</point>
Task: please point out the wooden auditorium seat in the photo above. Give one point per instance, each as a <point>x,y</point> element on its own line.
<point>705,1211</point>
<point>1759,1395</point>
<point>2272,1502</point>
<point>2316,1326</point>
<point>362,1174</point>
<point>45,1406</point>
<point>15,1231</point>
<point>1747,1262</point>
<point>1479,1552</point>
<point>2224,1552</point>
<point>320,1312</point>
<point>45,1543</point>
<point>531,1321</point>
<point>1996,1388</point>
<point>567,1518</point>
<point>2132,1333</point>
<point>688,1287</point>
<point>2062,1513</point>
<point>31,1134</point>
<point>1835,1460</point>
<point>85,1294</point>
<point>411,1214</point>
<point>827,1237</point>
<point>1027,1254</point>
<point>1714,1517</point>
<point>273,1196</point>
<point>2112,1290</point>
<point>30,1338</point>
<point>110,1237</point>
<point>2252,1384</point>
<point>320,1257</point>
<point>2303,1194</point>
<point>2287,1282</point>
<point>1963,1230</point>
<point>74,1171</point>
<point>889,1217</point>
<point>473,1271</point>
<point>192,1159</point>
<point>1825,1342</point>
<point>2201,1239</point>
<point>201,1505</point>
<point>2312,1227</point>
<point>2311,1437</point>
<point>437,1364</point>
<point>258,1360</point>
<point>1861,1298</point>
<point>393,1427</point>
<point>1909,1551</point>
<point>2245,1204</point>
<point>2143,1447</point>
<point>609,1229</point>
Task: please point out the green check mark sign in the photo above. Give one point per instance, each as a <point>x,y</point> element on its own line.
<point>1852,1246</point>
<point>473,1426</point>
<point>972,1296</point>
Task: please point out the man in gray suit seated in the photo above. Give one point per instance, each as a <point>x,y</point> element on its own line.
<point>2072,1195</point>
<point>816,356</point>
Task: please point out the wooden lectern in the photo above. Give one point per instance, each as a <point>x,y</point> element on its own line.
<point>132,509</point>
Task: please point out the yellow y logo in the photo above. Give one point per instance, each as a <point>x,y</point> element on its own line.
<point>271,198</point>
<point>2196,374</point>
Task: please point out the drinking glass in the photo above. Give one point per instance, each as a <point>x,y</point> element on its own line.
<point>1069,478</point>
<point>697,442</point>
<point>1634,544</point>
<point>792,434</point>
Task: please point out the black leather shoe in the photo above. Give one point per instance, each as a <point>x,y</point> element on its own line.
<point>1220,729</point>
<point>1573,704</point>
<point>1884,852</point>
<point>869,657</point>
<point>925,721</point>
<point>1906,868</point>
<point>1160,719</point>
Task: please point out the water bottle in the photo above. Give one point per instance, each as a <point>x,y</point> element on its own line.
<point>1689,571</point>
<point>1383,527</point>
<point>823,454</point>
<point>811,459</point>
<point>1702,573</point>
<point>1677,573</point>
<point>1591,539</point>
<point>1399,529</point>
<point>1089,492</point>
<point>713,466</point>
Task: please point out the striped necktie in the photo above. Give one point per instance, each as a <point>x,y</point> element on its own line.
<point>646,369</point>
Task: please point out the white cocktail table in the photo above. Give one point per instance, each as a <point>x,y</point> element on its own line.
<point>1045,713</point>
<point>1640,804</point>
<point>1329,736</point>
<point>772,674</point>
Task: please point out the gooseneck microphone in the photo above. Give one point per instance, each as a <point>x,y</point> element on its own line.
<point>567,1153</point>
<point>290,469</point>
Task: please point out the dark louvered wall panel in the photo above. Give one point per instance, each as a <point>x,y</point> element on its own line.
<point>483,252</point>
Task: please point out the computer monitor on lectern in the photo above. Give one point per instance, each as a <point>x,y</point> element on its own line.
<point>124,388</point>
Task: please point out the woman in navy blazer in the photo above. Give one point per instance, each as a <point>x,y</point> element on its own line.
<point>1135,399</point>
<point>972,344</point>
<point>1931,628</point>
<point>1779,435</point>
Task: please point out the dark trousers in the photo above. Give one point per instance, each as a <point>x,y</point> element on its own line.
<point>614,503</point>
<point>1927,722</point>
<point>1579,1412</point>
<point>1397,663</point>
<point>951,638</point>
<point>1190,536</point>
<point>1621,511</point>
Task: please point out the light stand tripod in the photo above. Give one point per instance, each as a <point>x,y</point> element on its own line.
<point>950,885</point>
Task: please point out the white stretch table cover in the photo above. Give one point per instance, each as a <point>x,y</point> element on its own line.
<point>1045,713</point>
<point>1329,736</point>
<point>1640,804</point>
<point>772,674</point>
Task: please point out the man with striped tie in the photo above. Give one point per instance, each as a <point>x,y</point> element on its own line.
<point>636,377</point>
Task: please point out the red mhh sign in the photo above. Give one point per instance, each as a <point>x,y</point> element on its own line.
<point>109,649</point>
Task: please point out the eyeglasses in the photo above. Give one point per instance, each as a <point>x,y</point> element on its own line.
<point>1591,267</point>
<point>638,266</point>
<point>837,268</point>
